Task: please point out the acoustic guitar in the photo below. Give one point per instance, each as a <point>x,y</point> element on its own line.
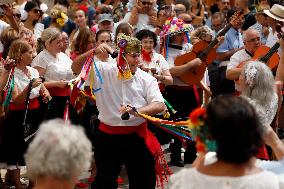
<point>267,55</point>
<point>206,52</point>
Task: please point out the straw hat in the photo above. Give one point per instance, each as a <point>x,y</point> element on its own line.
<point>276,12</point>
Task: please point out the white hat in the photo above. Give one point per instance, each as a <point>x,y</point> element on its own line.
<point>276,12</point>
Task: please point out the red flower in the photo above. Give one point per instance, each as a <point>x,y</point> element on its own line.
<point>200,147</point>
<point>196,114</point>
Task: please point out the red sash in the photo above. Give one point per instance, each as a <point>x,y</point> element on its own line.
<point>56,91</point>
<point>153,145</point>
<point>33,104</point>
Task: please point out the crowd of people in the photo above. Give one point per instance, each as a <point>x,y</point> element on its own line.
<point>110,65</point>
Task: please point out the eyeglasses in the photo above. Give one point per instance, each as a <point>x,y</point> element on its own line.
<point>146,3</point>
<point>37,11</point>
<point>254,39</point>
<point>17,15</point>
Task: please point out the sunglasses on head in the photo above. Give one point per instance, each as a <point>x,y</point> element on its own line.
<point>146,3</point>
<point>17,15</point>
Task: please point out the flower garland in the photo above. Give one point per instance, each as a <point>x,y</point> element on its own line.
<point>62,19</point>
<point>200,131</point>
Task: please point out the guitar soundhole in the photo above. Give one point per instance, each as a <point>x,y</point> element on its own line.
<point>194,72</point>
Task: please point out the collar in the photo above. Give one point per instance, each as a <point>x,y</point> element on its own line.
<point>249,53</point>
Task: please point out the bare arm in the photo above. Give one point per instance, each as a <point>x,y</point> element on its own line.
<point>152,108</point>
<point>78,63</point>
<point>179,70</point>
<point>272,140</point>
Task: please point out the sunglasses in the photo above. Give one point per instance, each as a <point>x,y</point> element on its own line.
<point>17,15</point>
<point>37,11</point>
<point>146,3</point>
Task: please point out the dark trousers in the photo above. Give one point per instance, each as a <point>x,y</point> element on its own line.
<point>112,151</point>
<point>219,84</point>
<point>183,101</point>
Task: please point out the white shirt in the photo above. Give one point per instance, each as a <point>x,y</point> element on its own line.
<point>143,21</point>
<point>138,91</point>
<point>192,179</point>
<point>272,39</point>
<point>38,29</point>
<point>237,58</point>
<point>56,68</point>
<point>22,81</point>
<point>158,62</point>
<point>172,54</point>
<point>3,26</point>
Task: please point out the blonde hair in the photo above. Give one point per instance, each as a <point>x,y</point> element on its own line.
<point>47,36</point>
<point>17,48</point>
<point>56,10</point>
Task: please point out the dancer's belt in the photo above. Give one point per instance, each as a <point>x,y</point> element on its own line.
<point>33,104</point>
<point>56,91</point>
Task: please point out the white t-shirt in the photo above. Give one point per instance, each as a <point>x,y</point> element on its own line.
<point>191,179</point>
<point>56,68</point>
<point>3,26</point>
<point>139,91</point>
<point>22,81</point>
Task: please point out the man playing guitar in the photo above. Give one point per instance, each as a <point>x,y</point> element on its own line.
<point>251,40</point>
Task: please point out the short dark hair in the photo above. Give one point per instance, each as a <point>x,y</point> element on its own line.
<point>30,5</point>
<point>101,32</point>
<point>147,33</point>
<point>235,126</point>
<point>231,12</point>
<point>65,3</point>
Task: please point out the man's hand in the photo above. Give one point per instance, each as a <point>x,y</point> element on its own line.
<point>102,49</point>
<point>196,62</point>
<point>36,82</point>
<point>127,108</point>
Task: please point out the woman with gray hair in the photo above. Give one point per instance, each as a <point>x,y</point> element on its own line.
<point>256,84</point>
<point>58,155</point>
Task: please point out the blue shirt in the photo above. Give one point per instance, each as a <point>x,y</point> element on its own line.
<point>233,40</point>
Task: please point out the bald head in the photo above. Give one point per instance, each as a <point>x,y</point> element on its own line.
<point>251,40</point>
<point>185,17</point>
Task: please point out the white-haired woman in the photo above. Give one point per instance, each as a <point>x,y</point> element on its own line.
<point>256,83</point>
<point>58,155</point>
<point>55,67</point>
